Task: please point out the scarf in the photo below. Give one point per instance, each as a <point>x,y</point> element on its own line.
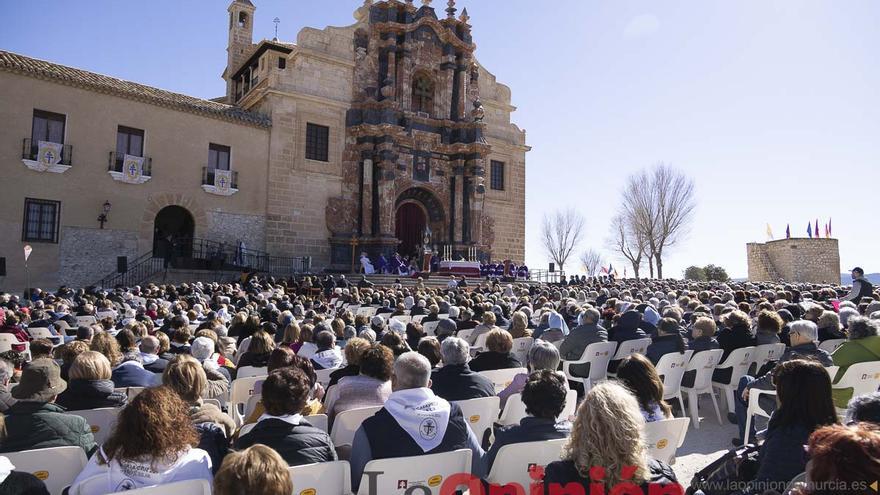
<point>329,359</point>
<point>423,415</point>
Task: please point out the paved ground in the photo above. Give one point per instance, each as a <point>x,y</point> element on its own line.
<point>703,446</point>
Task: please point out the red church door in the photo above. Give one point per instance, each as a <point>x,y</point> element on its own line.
<point>409,228</point>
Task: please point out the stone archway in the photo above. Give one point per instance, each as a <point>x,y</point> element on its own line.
<point>159,201</point>
<point>415,209</point>
<point>173,232</point>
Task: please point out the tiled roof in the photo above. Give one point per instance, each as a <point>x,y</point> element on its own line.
<point>63,74</point>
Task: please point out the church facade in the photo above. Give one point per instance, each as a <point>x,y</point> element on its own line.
<point>381,136</point>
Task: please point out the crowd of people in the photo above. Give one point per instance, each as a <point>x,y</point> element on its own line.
<point>186,344</point>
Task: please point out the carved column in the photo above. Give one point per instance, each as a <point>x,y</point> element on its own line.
<point>386,198</point>
<point>458,175</point>
<point>367,198</point>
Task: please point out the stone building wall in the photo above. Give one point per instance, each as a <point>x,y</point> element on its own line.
<point>224,226</point>
<point>795,260</point>
<point>88,254</point>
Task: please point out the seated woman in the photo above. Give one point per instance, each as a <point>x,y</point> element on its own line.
<point>498,357</point>
<point>542,356</point>
<point>283,358</point>
<point>352,351</point>
<point>544,397</point>
<point>803,390</point>
<point>769,326</point>
<point>857,467</point>
<point>185,376</point>
<point>607,435</point>
<point>153,443</point>
<point>638,375</point>
<point>668,340</point>
<point>282,427</point>
<point>90,386</point>
<point>370,388</point>
<point>257,469</point>
<point>257,353</point>
<point>430,348</point>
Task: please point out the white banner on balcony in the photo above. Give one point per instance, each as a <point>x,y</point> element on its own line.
<point>222,180</point>
<point>49,154</point>
<point>132,168</point>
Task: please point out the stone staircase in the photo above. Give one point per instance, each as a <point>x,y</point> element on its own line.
<point>772,272</point>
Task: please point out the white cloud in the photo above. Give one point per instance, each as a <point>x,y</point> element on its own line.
<point>642,26</point>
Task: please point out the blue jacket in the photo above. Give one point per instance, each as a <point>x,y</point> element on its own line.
<point>627,328</point>
<point>663,345</point>
<point>133,374</point>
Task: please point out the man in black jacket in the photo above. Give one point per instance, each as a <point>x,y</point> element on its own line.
<point>455,380</point>
<point>282,427</point>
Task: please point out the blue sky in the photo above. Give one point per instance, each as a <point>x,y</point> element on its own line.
<point>771,106</point>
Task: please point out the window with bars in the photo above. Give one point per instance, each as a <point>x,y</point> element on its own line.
<point>496,181</point>
<point>218,156</point>
<point>317,142</point>
<point>40,220</point>
<point>47,126</point>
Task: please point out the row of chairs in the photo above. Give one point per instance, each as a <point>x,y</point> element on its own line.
<point>59,466</point>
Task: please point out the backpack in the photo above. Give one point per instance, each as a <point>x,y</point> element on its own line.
<point>730,473</point>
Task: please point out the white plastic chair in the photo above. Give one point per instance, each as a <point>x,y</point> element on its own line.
<point>862,378</point>
<point>188,487</point>
<point>628,347</point>
<point>242,348</point>
<point>512,463</point>
<point>766,353</point>
<point>738,362</point>
<point>671,368</point>
<point>429,471</point>
<point>597,354</point>
<point>754,409</point>
<point>480,413</point>
<point>502,378</point>
<point>402,318</point>
<point>57,467</point>
<point>464,334</point>
<point>84,321</point>
<point>133,392</point>
<point>430,327</point>
<point>831,345</point>
<point>480,344</point>
<point>41,333</point>
<point>664,437</point>
<point>703,363</point>
<point>521,348</point>
<point>101,421</point>
<point>418,318</point>
<point>514,409</point>
<point>324,376</point>
<point>252,371</point>
<point>10,340</point>
<point>240,392</point>
<point>367,311</point>
<point>323,478</point>
<point>443,316</point>
<point>346,423</point>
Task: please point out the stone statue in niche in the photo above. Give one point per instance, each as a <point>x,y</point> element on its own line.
<point>421,166</point>
<point>478,113</point>
<point>341,216</point>
<point>488,231</point>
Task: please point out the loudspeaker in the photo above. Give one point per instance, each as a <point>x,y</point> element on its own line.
<point>121,264</point>
<point>2,267</point>
<point>552,267</point>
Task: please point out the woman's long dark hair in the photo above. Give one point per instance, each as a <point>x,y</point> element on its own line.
<point>804,391</point>
<point>637,373</point>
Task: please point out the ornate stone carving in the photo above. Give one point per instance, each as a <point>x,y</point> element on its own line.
<point>478,113</point>
<point>341,215</point>
<point>488,231</point>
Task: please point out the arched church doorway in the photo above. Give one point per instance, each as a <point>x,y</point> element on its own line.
<point>409,228</point>
<point>173,232</point>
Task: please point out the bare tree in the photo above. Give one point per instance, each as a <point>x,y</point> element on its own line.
<point>561,233</point>
<point>592,262</point>
<point>659,204</point>
<point>629,242</point>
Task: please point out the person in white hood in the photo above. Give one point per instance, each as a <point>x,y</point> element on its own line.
<point>328,356</point>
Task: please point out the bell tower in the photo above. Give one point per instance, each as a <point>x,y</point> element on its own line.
<point>241,37</point>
